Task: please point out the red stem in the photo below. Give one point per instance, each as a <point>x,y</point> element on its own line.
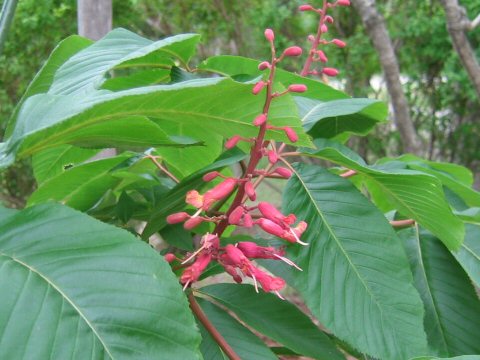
<point>316,42</point>
<point>219,339</point>
<point>402,223</point>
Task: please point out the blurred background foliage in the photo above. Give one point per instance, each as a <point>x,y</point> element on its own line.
<point>443,104</point>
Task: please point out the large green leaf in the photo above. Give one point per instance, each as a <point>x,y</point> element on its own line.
<point>414,194</point>
<point>134,117</point>
<point>469,254</point>
<point>81,186</point>
<point>337,117</point>
<point>174,200</point>
<point>85,71</point>
<point>275,318</point>
<point>73,287</point>
<point>54,161</point>
<point>356,277</point>
<point>452,308</point>
<point>42,81</point>
<point>242,341</point>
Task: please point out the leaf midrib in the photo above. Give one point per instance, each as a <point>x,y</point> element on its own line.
<point>64,296</point>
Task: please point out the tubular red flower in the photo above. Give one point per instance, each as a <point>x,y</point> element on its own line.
<point>254,251</point>
<point>177,217</point>
<point>194,198</point>
<point>233,141</point>
<point>192,223</point>
<point>321,56</point>
<point>269,35</point>
<point>297,88</point>
<point>339,43</point>
<point>247,220</point>
<point>264,65</point>
<point>270,227</point>
<point>258,87</point>
<point>291,134</point>
<point>306,7</point>
<point>343,2</point>
<point>219,192</point>
<point>272,157</point>
<point>293,51</point>
<point>250,191</point>
<point>260,120</point>
<point>269,283</point>
<point>283,172</point>
<point>330,71</point>
<point>193,272</point>
<point>210,176</point>
<point>236,215</point>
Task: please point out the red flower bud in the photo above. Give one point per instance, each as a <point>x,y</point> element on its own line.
<point>291,134</point>
<point>247,220</point>
<point>169,257</point>
<point>192,223</point>
<point>343,2</point>
<point>306,8</point>
<point>233,141</point>
<point>283,172</point>
<point>321,56</point>
<point>258,87</point>
<point>177,217</point>
<point>193,272</point>
<point>233,273</point>
<point>235,256</point>
<point>272,157</point>
<point>329,19</point>
<point>236,215</point>
<point>260,119</point>
<point>264,65</point>
<point>297,88</point>
<point>219,192</point>
<point>324,28</point>
<point>210,176</point>
<point>311,38</point>
<point>339,43</point>
<point>269,35</point>
<point>330,71</point>
<point>250,191</point>
<point>293,51</point>
<point>268,283</point>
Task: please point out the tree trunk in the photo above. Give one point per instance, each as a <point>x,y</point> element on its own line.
<point>94,18</point>
<point>456,25</point>
<point>377,31</point>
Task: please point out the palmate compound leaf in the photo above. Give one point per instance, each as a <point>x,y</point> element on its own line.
<point>356,277</point>
<point>94,120</point>
<point>452,308</point>
<point>73,287</point>
<point>275,318</point>
<point>415,194</point>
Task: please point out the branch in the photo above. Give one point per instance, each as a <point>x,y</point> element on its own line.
<point>162,168</point>
<point>402,223</point>
<point>475,22</point>
<point>219,339</point>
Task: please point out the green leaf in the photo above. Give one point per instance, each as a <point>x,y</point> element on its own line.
<point>414,194</point>
<point>242,341</point>
<point>81,186</point>
<point>208,347</point>
<point>452,309</point>
<point>85,71</point>
<point>335,118</point>
<point>469,254</point>
<point>127,117</point>
<point>356,277</point>
<point>174,200</point>
<point>54,161</point>
<point>275,318</point>
<point>43,79</point>
<point>137,79</point>
<point>73,287</point>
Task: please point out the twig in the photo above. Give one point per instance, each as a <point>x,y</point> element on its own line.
<point>348,173</point>
<point>219,339</point>
<point>162,168</point>
<point>402,223</point>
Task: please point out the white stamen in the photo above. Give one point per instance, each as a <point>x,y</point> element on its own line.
<point>186,285</point>
<point>193,255</point>
<point>278,294</point>
<point>296,238</point>
<point>288,261</point>
<point>255,282</point>
<point>197,213</point>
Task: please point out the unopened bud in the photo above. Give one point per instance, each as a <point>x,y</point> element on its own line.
<point>297,88</point>
<point>321,56</point>
<point>269,35</point>
<point>291,134</point>
<point>306,8</point>
<point>343,2</point>
<point>330,71</point>
<point>264,65</point>
<point>339,43</point>
<point>329,19</point>
<point>269,211</point>
<point>258,87</point>
<point>233,141</point>
<point>169,257</point>
<point>219,192</point>
<point>272,157</point>
<point>192,223</point>
<point>210,176</point>
<point>324,28</point>
<point>247,220</point>
<point>236,215</point>
<point>250,191</point>
<point>311,38</point>
<point>260,120</point>
<point>177,218</point>
<point>293,51</point>
<point>283,172</point>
